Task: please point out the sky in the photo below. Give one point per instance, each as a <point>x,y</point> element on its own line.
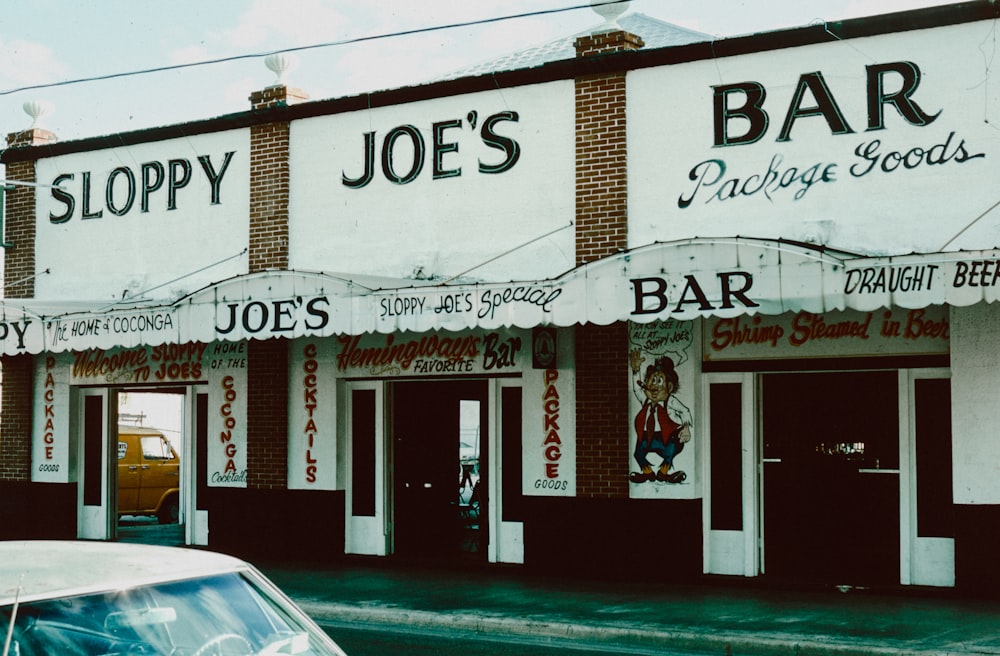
<point>45,42</point>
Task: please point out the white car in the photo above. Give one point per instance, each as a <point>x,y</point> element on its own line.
<point>103,599</point>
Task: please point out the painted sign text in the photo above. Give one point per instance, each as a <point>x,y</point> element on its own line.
<point>119,188</point>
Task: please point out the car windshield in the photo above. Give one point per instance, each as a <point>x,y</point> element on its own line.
<point>224,615</point>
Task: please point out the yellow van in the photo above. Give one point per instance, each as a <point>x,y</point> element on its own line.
<point>149,472</point>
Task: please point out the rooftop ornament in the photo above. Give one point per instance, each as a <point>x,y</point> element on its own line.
<point>610,11</point>
<point>280,63</point>
<point>37,110</point>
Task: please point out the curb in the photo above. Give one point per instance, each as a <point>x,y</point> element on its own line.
<point>609,634</point>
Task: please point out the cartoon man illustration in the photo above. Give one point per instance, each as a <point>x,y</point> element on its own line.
<point>663,424</point>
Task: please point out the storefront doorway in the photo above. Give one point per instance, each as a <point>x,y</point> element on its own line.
<point>831,477</point>
<point>439,483</point>
<point>151,471</point>
<point>136,458</point>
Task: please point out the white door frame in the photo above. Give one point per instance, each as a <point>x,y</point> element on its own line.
<point>97,522</point>
<point>364,534</point>
<point>922,560</point>
<point>506,539</point>
<point>733,552</point>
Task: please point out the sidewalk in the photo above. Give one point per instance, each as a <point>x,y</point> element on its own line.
<point>717,618</point>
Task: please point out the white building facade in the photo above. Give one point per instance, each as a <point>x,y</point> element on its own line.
<point>732,298</point>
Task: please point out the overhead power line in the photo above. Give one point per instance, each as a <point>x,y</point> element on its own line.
<point>331,44</point>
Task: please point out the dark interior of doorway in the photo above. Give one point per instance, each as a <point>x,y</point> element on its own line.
<point>439,477</point>
<point>160,522</point>
<point>831,477</point>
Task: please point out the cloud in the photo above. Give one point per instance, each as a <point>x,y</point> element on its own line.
<point>27,62</point>
<point>271,25</point>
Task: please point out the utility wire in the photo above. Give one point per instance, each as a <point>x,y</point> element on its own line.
<point>361,39</point>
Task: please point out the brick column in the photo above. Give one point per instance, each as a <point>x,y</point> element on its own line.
<point>16,418</point>
<point>19,217</point>
<point>16,394</point>
<point>269,180</point>
<point>267,414</point>
<point>602,377</point>
<point>267,361</point>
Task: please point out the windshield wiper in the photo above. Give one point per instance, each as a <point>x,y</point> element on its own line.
<point>13,616</point>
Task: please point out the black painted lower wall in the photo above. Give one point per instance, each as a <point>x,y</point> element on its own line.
<point>641,540</point>
<point>977,566</point>
<point>303,526</point>
<point>37,511</point>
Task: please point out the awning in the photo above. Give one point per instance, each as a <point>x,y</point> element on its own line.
<point>680,280</point>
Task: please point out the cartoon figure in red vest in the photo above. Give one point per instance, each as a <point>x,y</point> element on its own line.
<point>663,424</point>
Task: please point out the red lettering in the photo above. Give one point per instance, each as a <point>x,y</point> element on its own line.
<point>310,382</point>
<point>229,423</point>
<point>550,425</point>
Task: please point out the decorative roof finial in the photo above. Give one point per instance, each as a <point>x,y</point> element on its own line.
<point>610,11</point>
<point>280,63</point>
<point>37,110</point>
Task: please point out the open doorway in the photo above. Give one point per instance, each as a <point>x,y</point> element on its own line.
<point>152,479</point>
<point>831,477</point>
<point>439,483</point>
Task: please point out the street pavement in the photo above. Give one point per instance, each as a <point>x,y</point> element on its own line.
<point>716,616</point>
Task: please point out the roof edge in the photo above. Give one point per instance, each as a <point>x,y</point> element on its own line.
<point>903,21</point>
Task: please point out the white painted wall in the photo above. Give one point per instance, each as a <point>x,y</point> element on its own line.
<point>975,361</point>
<point>671,132</point>
<point>445,226</point>
<point>100,258</point>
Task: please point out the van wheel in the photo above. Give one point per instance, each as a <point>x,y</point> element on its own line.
<point>169,512</point>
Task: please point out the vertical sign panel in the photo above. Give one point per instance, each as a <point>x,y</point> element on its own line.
<point>227,414</point>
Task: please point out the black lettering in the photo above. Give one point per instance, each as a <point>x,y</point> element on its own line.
<point>215,179</point>
<point>418,154</point>
<point>826,106</point>
<point>508,146</point>
<point>752,110</point>
<point>109,191</point>
<point>907,107</point>
<point>87,214</point>
<point>182,166</point>
<point>150,185</point>
<point>369,171</point>
<point>64,197</point>
<point>658,294</point>
<point>440,149</point>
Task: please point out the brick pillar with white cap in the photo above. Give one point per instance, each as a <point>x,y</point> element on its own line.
<point>16,401</point>
<point>602,230</point>
<point>267,361</point>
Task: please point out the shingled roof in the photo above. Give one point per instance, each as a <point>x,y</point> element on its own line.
<point>654,33</point>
